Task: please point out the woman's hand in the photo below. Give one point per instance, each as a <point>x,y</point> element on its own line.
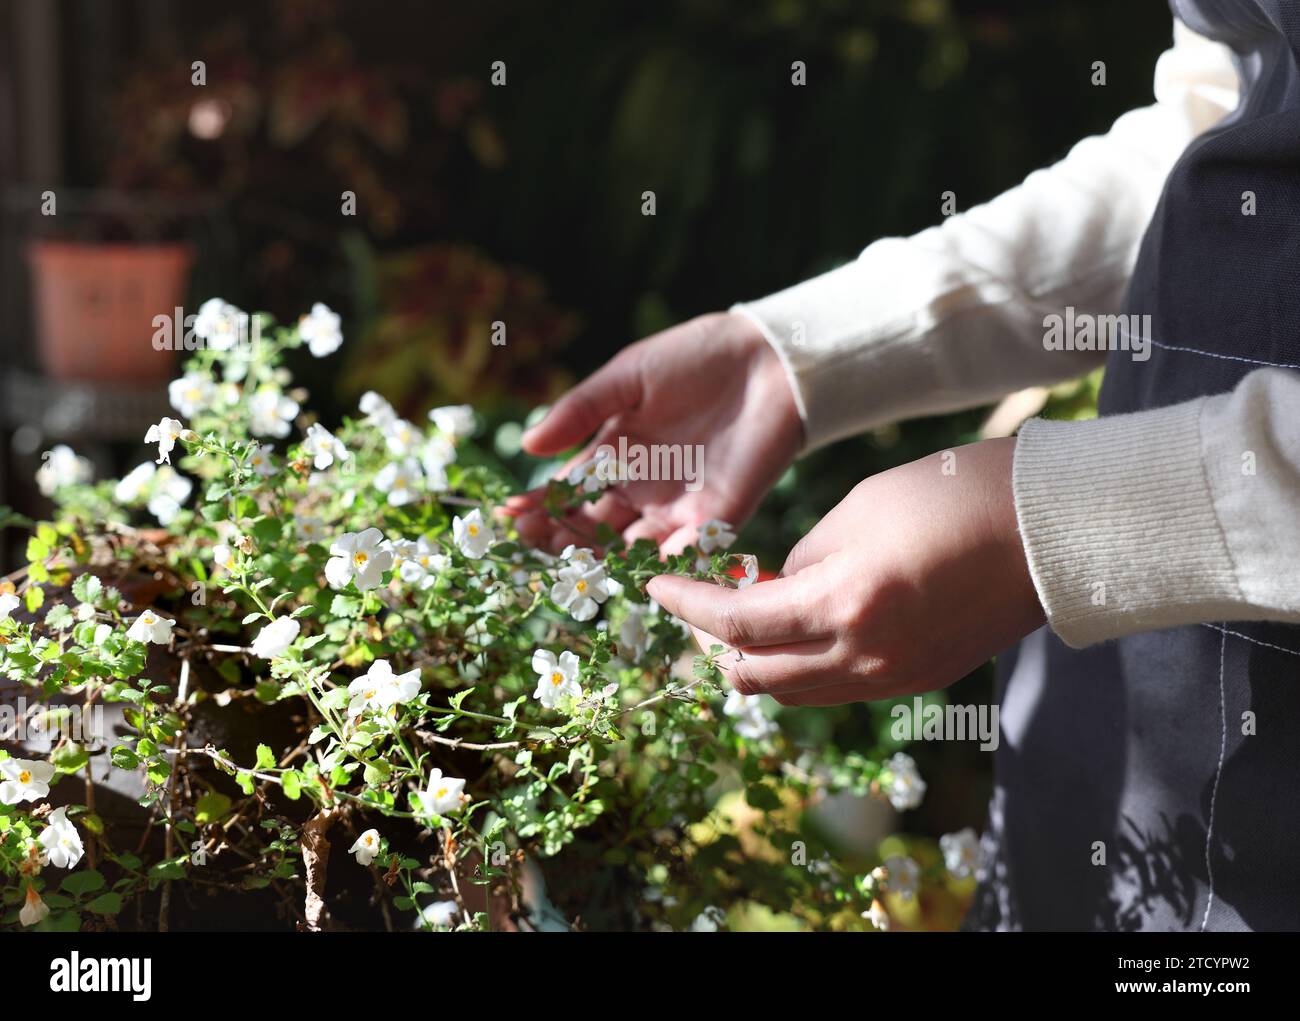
<point>713,381</point>
<point>915,579</point>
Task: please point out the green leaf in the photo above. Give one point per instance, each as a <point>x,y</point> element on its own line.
<point>265,757</point>
<point>71,757</point>
<point>762,797</point>
<point>106,904</point>
<point>124,758</point>
<point>80,883</point>
<point>210,808</point>
<point>87,588</point>
<point>344,606</point>
<point>291,782</point>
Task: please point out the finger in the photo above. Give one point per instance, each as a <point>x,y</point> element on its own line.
<point>535,528</point>
<point>647,527</point>
<point>770,613</point>
<point>613,388</point>
<point>795,668</point>
<point>678,541</point>
<point>835,694</point>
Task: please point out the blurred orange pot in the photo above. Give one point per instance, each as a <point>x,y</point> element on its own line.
<point>95,305</point>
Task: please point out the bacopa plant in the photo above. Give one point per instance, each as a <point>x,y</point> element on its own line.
<point>486,736</point>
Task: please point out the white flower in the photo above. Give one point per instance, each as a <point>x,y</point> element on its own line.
<point>589,475</point>
<point>260,460</point>
<point>366,848</point>
<point>436,454</point>
<point>401,549</point>
<point>877,916</point>
<point>750,564</point>
<point>441,914</point>
<point>219,323</point>
<point>399,480</point>
<point>309,529</point>
<point>556,678</point>
<point>402,437</point>
<point>580,555</point>
<point>323,447</point>
<point>454,420</point>
<point>961,852</point>
<point>442,796</point>
<point>224,556</point>
<point>381,689</point>
<point>708,920</point>
<point>903,783</point>
<point>150,627</point>
<point>61,467</point>
<point>34,909</point>
<point>715,535</point>
<point>320,331</point>
<point>902,876</point>
<point>270,412</point>
<point>8,603</point>
<point>165,434</point>
<point>358,557</point>
<point>422,562</point>
<point>378,411</point>
<point>61,840</point>
<point>168,489</point>
<point>580,590</point>
<point>275,638</point>
<point>747,713</point>
<point>24,780</point>
<point>633,636</point>
<point>473,536</point>
<point>135,482</point>
<point>192,393</point>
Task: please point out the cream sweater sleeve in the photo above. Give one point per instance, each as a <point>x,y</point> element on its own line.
<point>953,317</point>
<point>1182,515</point>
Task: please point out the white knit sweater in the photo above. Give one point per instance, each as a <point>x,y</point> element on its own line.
<point>1159,507</point>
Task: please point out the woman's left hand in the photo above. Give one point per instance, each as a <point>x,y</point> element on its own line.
<point>916,578</point>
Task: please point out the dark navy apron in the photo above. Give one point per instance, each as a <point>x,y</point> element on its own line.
<point>1134,749</point>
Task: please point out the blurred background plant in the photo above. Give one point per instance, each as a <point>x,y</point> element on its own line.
<point>522,203</point>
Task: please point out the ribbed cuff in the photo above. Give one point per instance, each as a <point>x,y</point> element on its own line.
<point>1119,525</point>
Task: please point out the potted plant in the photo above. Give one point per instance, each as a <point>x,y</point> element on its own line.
<point>449,730</point>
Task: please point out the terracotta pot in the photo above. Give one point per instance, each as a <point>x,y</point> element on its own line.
<point>95,305</point>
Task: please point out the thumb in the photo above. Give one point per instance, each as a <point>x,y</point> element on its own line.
<point>613,388</point>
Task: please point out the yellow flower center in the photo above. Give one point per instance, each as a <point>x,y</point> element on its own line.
<point>557,678</point>
<point>424,561</point>
<point>441,792</point>
<point>371,694</point>
<point>25,777</point>
<point>369,840</point>
<point>473,530</point>
<point>581,586</point>
<point>360,558</point>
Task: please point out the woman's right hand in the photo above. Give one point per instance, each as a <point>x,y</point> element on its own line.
<point>713,381</point>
